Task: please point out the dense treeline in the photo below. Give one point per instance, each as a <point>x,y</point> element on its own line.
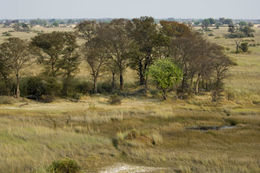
<point>193,63</point>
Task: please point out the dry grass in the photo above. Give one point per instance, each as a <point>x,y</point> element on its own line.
<point>33,134</point>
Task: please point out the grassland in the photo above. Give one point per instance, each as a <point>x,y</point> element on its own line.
<point>143,130</point>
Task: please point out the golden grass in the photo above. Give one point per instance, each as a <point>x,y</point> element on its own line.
<point>34,134</point>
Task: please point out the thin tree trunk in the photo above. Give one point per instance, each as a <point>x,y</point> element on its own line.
<point>113,80</point>
<point>17,85</point>
<point>141,74</point>
<point>94,84</point>
<point>164,95</point>
<point>197,84</point>
<point>121,80</point>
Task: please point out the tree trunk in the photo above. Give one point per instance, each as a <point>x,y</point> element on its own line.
<point>197,84</point>
<point>164,95</point>
<point>141,74</point>
<point>17,85</point>
<point>121,80</point>
<point>113,80</point>
<point>94,84</point>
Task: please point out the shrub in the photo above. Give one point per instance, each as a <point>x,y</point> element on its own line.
<point>115,100</point>
<point>244,47</point>
<point>83,87</point>
<point>6,34</point>
<point>165,74</point>
<point>53,87</point>
<point>64,166</point>
<point>33,87</point>
<point>104,87</point>
<point>7,100</point>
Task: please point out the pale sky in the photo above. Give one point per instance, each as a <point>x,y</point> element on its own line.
<point>236,9</point>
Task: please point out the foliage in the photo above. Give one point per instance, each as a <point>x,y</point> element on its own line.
<point>14,56</point>
<point>244,46</point>
<point>165,74</point>
<point>65,165</point>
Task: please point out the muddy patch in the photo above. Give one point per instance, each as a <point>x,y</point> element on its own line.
<point>125,168</point>
<point>206,128</point>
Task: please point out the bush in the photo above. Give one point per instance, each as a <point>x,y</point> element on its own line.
<point>33,87</point>
<point>40,88</point>
<point>6,34</point>
<point>104,87</point>
<point>64,166</point>
<point>7,100</point>
<point>115,100</point>
<point>244,47</point>
<point>53,87</point>
<point>83,87</point>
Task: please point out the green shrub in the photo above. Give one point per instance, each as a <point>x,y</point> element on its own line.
<point>33,87</point>
<point>64,166</point>
<point>53,86</point>
<point>115,100</point>
<point>244,47</point>
<point>104,87</point>
<point>83,87</point>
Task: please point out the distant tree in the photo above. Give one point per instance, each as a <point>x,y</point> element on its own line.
<point>16,52</point>
<point>217,25</point>
<point>147,40</point>
<point>96,54</point>
<point>205,24</point>
<point>247,30</point>
<point>86,29</point>
<point>165,74</point>
<point>70,60</point>
<point>242,23</point>
<point>119,44</point>
<point>238,42</point>
<point>221,64</point>
<point>21,27</point>
<point>231,28</point>
<point>50,48</point>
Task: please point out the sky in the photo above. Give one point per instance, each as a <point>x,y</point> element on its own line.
<point>32,9</point>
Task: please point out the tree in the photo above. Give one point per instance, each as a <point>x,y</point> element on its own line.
<point>165,74</point>
<point>231,28</point>
<point>147,39</point>
<point>238,42</point>
<point>70,60</point>
<point>205,24</point>
<point>119,45</point>
<point>96,54</point>
<point>221,64</point>
<point>5,71</point>
<point>50,48</point>
<point>18,55</point>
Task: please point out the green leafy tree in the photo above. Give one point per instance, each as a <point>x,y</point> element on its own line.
<point>165,74</point>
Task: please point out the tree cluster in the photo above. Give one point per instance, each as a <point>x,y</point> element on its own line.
<point>175,56</point>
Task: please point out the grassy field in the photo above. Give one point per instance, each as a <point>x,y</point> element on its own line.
<point>142,131</point>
